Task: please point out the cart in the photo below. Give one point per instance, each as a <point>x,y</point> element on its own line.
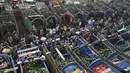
<point>106,51</point>
<point>122,41</point>
<point>7,64</point>
<point>123,46</point>
<point>119,61</point>
<point>30,60</point>
<point>98,66</point>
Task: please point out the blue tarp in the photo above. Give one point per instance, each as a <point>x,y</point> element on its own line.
<point>123,64</point>
<point>72,66</point>
<point>85,50</point>
<point>94,63</point>
<point>111,56</point>
<point>126,36</point>
<point>79,42</point>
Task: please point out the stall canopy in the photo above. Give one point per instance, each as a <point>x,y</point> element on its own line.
<point>79,42</point>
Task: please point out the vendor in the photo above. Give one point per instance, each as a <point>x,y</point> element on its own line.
<point>67,18</point>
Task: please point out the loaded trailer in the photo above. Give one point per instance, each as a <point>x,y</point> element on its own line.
<point>7,64</point>
<point>122,41</point>
<point>30,60</point>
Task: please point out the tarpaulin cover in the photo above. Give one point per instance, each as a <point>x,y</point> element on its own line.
<point>95,63</point>
<point>126,36</point>
<point>123,64</point>
<point>79,42</point>
<point>71,67</point>
<point>10,61</point>
<point>28,24</point>
<point>111,56</point>
<point>85,50</point>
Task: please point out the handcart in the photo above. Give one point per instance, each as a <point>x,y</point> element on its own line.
<point>122,41</point>
<point>123,46</point>
<point>119,61</point>
<point>7,64</point>
<point>106,52</point>
<point>30,60</point>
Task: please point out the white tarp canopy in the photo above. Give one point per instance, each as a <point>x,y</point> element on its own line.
<point>2,0</point>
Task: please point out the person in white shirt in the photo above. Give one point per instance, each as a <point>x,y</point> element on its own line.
<point>91,21</point>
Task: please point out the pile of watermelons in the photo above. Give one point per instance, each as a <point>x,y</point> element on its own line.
<point>102,49</point>
<point>62,63</point>
<point>34,67</point>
